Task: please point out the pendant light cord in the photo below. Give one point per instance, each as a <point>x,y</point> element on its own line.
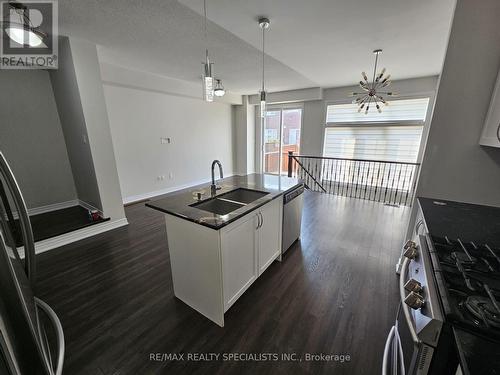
<point>205,28</point>
<point>375,69</point>
<point>263,56</point>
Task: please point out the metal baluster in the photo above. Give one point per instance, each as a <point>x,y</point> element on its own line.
<point>351,175</point>
<point>397,183</point>
<point>359,179</point>
<point>323,162</point>
<point>367,178</point>
<point>394,187</point>
<point>362,174</point>
<point>330,171</point>
<point>340,173</point>
<point>316,173</point>
<point>387,184</point>
<point>344,171</point>
<point>404,184</point>
<point>335,165</point>
<point>371,182</point>
<point>377,181</point>
<point>307,175</point>
<point>381,181</point>
<point>355,177</point>
<point>409,186</point>
<point>367,169</point>
<point>414,184</point>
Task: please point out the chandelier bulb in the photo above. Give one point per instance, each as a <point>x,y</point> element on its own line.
<point>365,77</point>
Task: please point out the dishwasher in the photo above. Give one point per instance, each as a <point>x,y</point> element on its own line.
<point>292,217</point>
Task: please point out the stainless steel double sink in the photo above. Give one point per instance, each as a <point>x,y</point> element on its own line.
<point>228,202</point>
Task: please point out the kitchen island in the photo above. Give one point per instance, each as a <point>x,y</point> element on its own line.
<point>220,241</point>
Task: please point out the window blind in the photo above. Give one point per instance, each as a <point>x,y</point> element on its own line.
<point>413,110</point>
<point>387,143</point>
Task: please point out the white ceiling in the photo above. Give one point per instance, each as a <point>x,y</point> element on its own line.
<point>310,43</point>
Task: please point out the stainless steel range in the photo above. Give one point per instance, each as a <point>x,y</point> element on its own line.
<point>449,318</point>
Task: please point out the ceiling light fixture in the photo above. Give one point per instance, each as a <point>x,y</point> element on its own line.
<point>23,32</point>
<point>219,88</point>
<point>371,93</point>
<point>208,79</point>
<point>264,25</point>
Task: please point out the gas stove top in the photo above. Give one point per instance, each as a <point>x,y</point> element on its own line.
<point>468,277</point>
<point>463,244</point>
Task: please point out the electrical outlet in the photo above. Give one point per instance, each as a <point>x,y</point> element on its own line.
<point>84,138</point>
<point>165,140</point>
<point>170,175</point>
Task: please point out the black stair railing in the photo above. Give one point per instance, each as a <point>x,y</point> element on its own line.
<point>388,182</point>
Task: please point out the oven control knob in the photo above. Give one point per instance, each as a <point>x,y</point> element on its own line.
<point>414,300</point>
<point>413,285</point>
<point>411,252</point>
<point>409,243</point>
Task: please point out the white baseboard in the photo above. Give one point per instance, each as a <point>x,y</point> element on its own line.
<point>88,206</point>
<point>48,208</point>
<point>152,194</point>
<point>77,235</point>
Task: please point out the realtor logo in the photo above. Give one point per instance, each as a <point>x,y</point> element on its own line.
<point>29,34</point>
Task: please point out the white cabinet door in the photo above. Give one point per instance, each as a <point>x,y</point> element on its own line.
<point>239,260</point>
<point>491,131</point>
<point>270,233</point>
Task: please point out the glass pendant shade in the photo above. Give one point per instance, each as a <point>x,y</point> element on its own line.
<point>208,81</point>
<point>24,35</point>
<point>219,89</point>
<point>262,104</point>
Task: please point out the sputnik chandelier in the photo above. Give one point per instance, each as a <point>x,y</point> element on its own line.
<point>371,94</point>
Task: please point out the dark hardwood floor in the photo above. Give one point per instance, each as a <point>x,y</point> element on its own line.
<point>55,223</point>
<point>334,293</point>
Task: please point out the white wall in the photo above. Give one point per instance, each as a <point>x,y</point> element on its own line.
<point>244,137</point>
<point>32,140</point>
<point>88,76</point>
<point>455,166</point>
<point>67,97</point>
<point>200,132</point>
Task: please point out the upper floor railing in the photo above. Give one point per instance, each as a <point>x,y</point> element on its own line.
<point>389,182</point>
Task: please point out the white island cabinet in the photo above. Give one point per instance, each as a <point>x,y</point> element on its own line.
<point>212,268</point>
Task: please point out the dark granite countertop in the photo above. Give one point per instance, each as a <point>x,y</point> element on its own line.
<point>469,222</point>
<point>178,203</point>
<point>478,355</point>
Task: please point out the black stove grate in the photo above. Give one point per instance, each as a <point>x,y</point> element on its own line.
<point>468,278</point>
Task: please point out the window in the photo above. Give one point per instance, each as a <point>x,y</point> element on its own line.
<point>406,110</point>
<point>281,133</point>
<point>393,135</point>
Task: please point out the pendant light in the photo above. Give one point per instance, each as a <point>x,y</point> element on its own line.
<point>372,93</point>
<point>264,25</point>
<point>208,79</point>
<point>23,32</point>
